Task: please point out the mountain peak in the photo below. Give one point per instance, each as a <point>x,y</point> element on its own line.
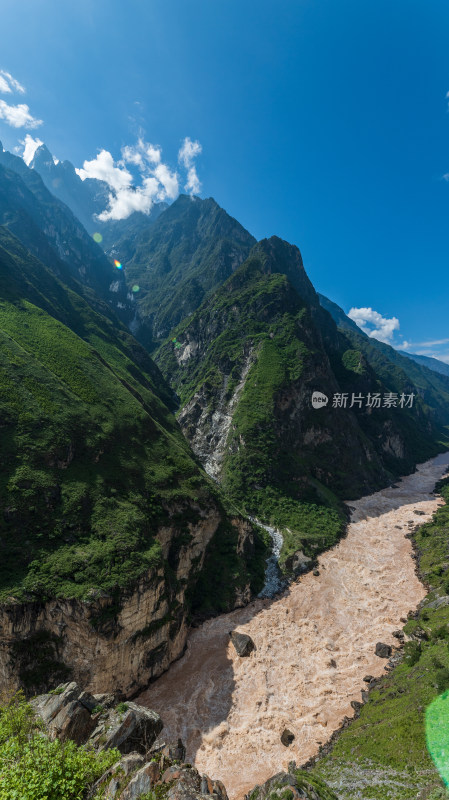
<point>278,255</point>
<point>41,157</point>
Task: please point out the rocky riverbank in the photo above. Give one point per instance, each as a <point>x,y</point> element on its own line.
<point>142,766</point>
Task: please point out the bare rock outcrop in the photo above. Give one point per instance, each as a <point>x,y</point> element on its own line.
<point>71,713</point>
<point>383,650</point>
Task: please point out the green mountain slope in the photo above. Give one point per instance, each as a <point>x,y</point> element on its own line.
<point>93,462</point>
<point>191,248</point>
<point>50,231</point>
<point>245,366</point>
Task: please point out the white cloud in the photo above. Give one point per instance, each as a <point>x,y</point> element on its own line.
<point>169,181</point>
<point>18,116</point>
<point>192,185</point>
<point>125,201</point>
<point>30,146</point>
<point>188,151</point>
<point>151,180</point>
<point>433,343</point>
<point>104,169</point>
<point>374,324</point>
<point>8,84</point>
<point>142,154</point>
<point>428,344</point>
<point>4,85</point>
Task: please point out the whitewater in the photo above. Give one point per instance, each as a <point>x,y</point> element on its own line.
<point>314,643</point>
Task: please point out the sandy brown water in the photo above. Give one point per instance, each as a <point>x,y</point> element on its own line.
<point>230,711</point>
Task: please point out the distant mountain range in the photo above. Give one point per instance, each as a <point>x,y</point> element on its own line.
<point>427,361</point>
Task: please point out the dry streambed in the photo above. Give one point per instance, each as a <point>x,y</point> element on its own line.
<point>314,645</point>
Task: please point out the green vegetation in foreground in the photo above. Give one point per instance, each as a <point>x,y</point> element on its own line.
<point>34,768</point>
<point>313,783</point>
<point>386,753</point>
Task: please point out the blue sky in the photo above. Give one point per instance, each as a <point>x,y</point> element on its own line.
<point>323,122</point>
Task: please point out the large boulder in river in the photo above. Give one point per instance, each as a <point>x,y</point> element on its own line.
<point>287,737</point>
<point>299,784</point>
<point>298,563</point>
<point>383,650</point>
<point>243,643</point>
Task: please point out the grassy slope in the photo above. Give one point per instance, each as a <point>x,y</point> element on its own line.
<point>92,459</point>
<point>384,754</point>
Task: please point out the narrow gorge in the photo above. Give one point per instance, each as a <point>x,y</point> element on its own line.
<point>314,644</point>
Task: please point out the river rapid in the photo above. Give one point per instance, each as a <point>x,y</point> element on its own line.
<point>314,644</point>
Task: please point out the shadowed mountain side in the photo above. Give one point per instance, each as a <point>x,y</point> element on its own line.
<point>93,461</point>
<point>49,230</point>
<point>191,248</point>
<point>395,368</point>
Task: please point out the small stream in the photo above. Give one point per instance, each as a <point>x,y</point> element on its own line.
<point>274,582</point>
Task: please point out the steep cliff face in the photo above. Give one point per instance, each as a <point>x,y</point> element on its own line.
<point>245,366</point>
<point>118,642</point>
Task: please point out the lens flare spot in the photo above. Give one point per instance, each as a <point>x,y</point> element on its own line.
<point>136,288</point>
<point>437,734</point>
<point>97,237</point>
<point>118,264</point>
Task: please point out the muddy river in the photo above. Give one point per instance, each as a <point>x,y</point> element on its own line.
<point>314,644</point>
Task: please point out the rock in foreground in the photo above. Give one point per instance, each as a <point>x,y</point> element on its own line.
<point>70,713</point>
